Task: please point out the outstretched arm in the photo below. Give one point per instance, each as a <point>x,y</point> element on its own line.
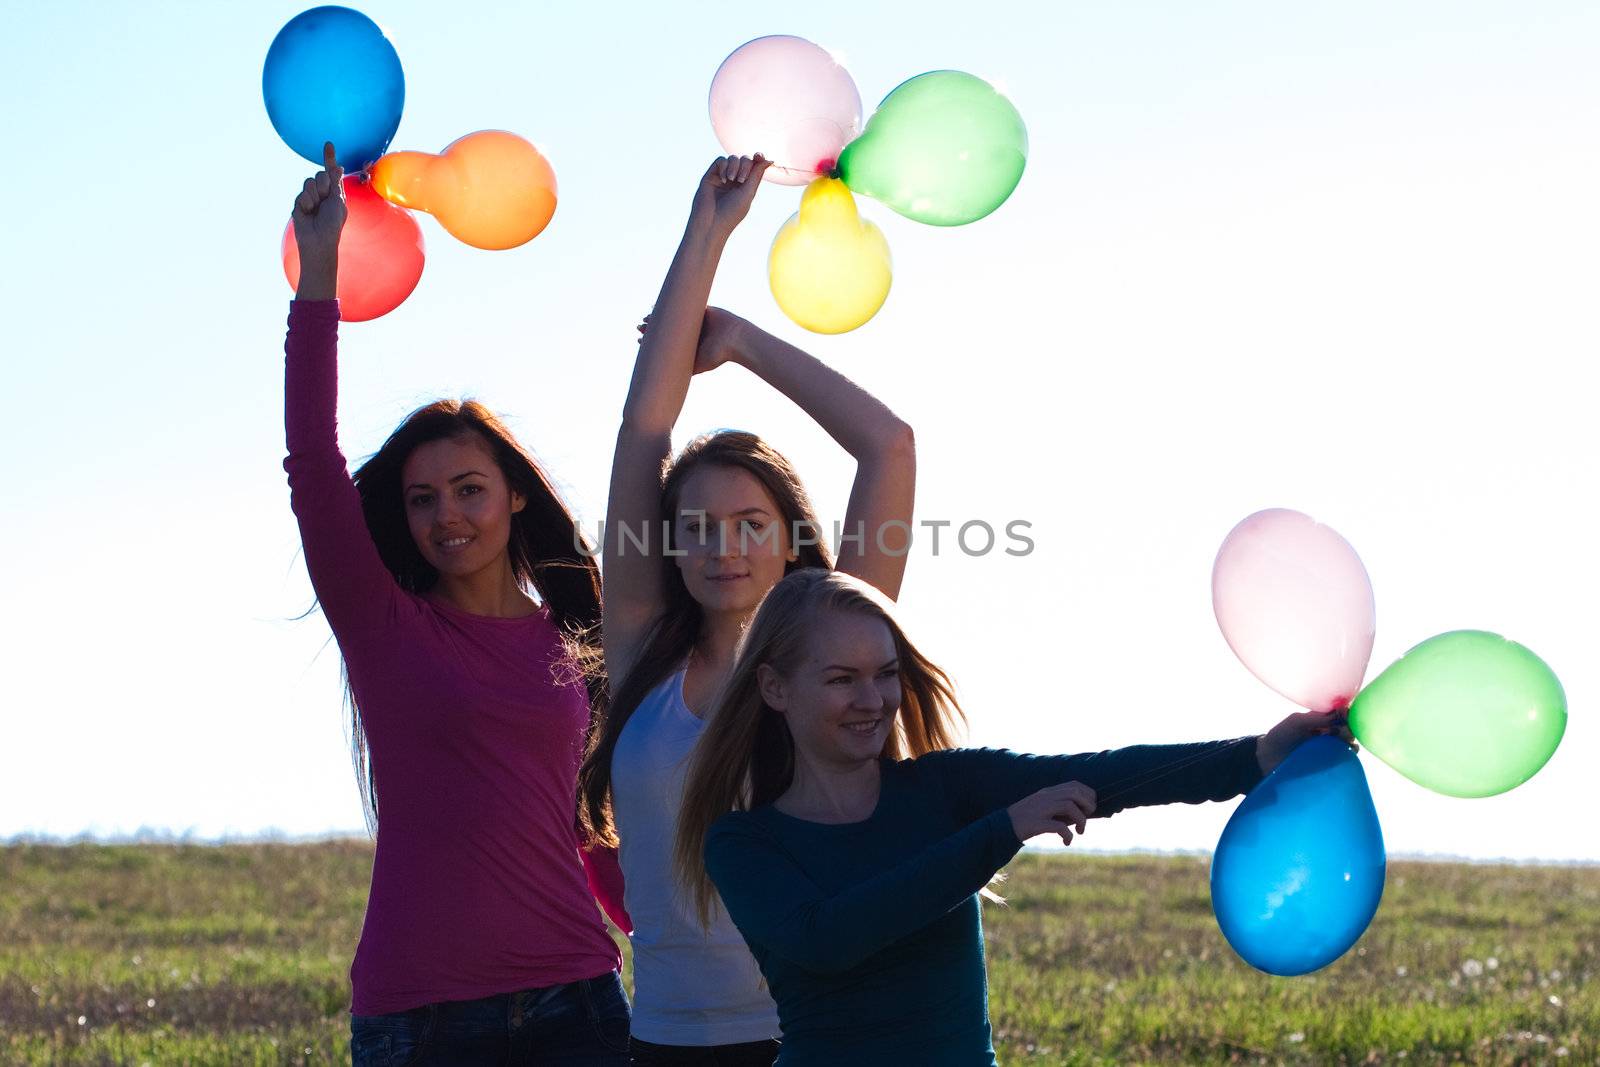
<point>976,781</point>
<point>661,376</point>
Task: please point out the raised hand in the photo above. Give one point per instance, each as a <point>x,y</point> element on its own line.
<point>1055,809</point>
<point>721,334</point>
<point>319,214</point>
<point>726,191</point>
<point>1274,746</point>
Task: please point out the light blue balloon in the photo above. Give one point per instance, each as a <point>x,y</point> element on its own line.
<point>331,75</point>
<point>1299,870</point>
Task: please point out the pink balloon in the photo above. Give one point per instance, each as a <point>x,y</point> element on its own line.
<point>788,99</point>
<point>1295,605</point>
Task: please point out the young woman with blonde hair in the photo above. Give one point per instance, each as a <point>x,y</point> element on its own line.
<point>848,840</point>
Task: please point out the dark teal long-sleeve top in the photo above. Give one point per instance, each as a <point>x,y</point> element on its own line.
<point>869,933</point>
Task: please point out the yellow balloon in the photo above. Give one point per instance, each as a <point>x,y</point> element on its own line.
<point>829,267</point>
<point>491,189</point>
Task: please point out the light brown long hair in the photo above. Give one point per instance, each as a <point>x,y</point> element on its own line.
<point>746,757</point>
<point>666,646</point>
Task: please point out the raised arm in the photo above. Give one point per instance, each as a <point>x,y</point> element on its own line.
<point>633,595</point>
<point>352,585</point>
<point>877,526</point>
<point>778,907</point>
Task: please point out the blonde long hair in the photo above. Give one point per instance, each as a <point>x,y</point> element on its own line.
<point>746,756</point>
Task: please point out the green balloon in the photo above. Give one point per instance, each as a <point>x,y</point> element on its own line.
<point>1466,714</point>
<point>945,148</point>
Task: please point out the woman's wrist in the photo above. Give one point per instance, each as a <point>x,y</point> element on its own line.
<point>318,281</point>
<point>742,348</point>
<point>703,234</point>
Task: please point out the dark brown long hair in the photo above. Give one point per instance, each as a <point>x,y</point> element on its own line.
<point>668,642</point>
<point>548,551</point>
<point>746,757</point>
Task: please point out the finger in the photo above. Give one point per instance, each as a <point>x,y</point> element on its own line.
<point>1082,795</point>
<point>305,203</point>
<point>330,159</point>
<point>745,163</point>
<point>324,184</point>
<point>1066,837</point>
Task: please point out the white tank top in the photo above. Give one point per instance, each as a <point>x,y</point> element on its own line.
<point>691,986</point>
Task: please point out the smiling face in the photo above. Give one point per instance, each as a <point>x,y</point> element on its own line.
<point>733,537</point>
<point>840,701</point>
<point>458,504</point>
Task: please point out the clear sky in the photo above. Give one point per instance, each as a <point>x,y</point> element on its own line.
<point>1340,258</point>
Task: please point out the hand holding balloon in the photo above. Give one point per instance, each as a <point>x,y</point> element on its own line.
<point>319,216</point>
<point>726,191</point>
<point>1274,746</point>
<point>721,339</point>
<point>789,99</point>
<point>359,248</point>
<point>1055,809</point>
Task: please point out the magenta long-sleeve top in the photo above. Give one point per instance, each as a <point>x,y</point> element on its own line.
<point>476,728</point>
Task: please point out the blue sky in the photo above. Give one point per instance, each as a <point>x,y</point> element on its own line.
<point>1337,258</point>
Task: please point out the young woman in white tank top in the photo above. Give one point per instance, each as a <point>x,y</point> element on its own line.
<point>689,550</point>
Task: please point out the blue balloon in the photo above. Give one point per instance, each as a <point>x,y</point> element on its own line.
<point>332,75</point>
<point>1298,873</point>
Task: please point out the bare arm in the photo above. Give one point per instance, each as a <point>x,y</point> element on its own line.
<point>666,361</point>
<point>884,490</point>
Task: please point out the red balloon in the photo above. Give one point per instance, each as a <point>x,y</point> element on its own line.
<point>380,254</point>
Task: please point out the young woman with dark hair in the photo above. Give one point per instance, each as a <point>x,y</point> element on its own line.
<point>482,942</point>
<point>827,810</point>
<point>690,548</point>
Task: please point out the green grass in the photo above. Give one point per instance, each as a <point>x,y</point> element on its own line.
<point>239,954</point>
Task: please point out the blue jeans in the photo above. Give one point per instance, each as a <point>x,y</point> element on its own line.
<point>580,1024</point>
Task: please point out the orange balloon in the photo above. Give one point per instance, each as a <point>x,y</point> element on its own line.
<point>380,254</point>
<point>491,189</point>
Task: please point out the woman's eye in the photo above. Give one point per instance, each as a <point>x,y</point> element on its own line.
<point>421,500</point>
<point>752,524</point>
<point>838,680</point>
<point>468,490</point>
<point>892,672</point>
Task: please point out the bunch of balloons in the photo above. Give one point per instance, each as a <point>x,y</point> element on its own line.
<point>945,148</point>
<point>1299,870</point>
<point>332,75</point>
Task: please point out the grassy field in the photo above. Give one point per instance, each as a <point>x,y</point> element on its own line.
<point>238,955</point>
